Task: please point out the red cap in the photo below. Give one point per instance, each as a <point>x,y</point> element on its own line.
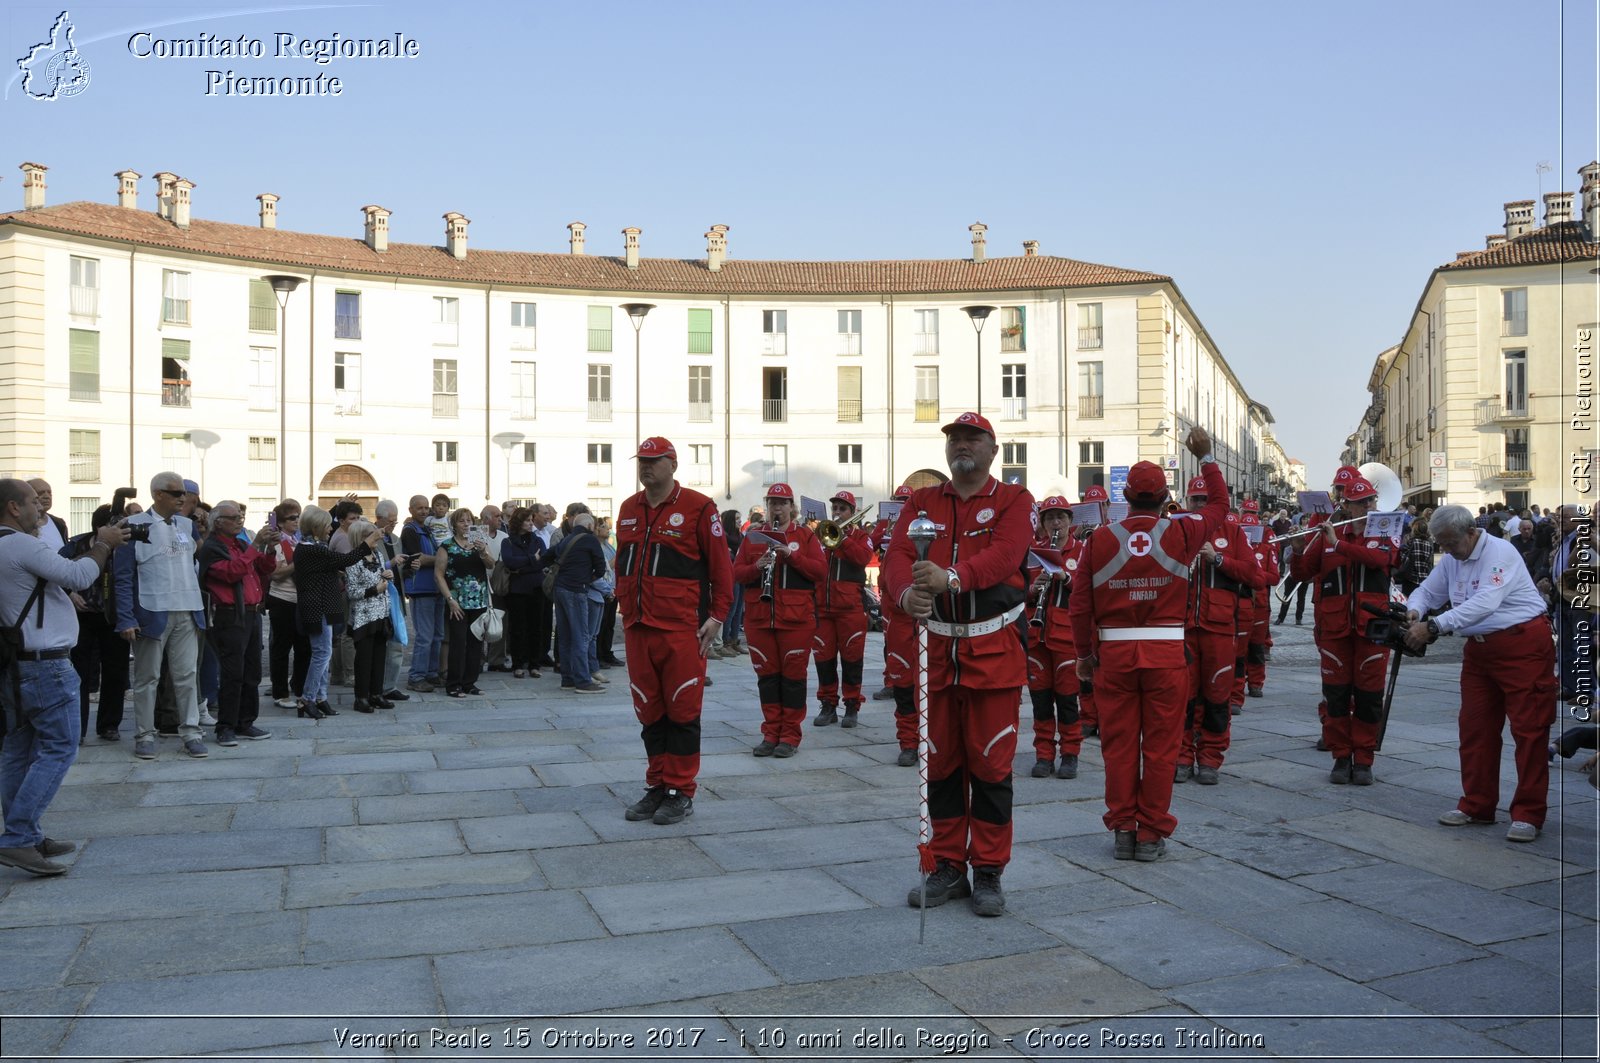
<point>846,497</point>
<point>1095,493</point>
<point>657,447</point>
<point>902,493</point>
<point>1054,502</point>
<point>1146,482</point>
<point>970,420</point>
<point>1345,475</point>
<point>1197,486</point>
<point>1233,518</point>
<point>1251,506</point>
<point>1250,520</point>
<point>780,491</point>
<point>1359,489</point>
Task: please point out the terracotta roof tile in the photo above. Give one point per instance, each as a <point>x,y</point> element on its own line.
<point>307,251</point>
<point>1567,241</point>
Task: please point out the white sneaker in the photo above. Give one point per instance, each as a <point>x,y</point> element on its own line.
<point>206,719</point>
<point>599,677</point>
<point>1457,818</point>
<point>287,703</point>
<point>1522,832</point>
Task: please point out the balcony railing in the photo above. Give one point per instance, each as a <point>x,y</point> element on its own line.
<point>175,311</point>
<point>83,468</point>
<point>1091,337</point>
<point>774,411</point>
<point>174,393</point>
<point>1518,464</point>
<point>1488,469</point>
<point>1014,408</point>
<point>1491,411</point>
<point>85,301</point>
<point>927,409</point>
<point>445,404</point>
<point>1515,325</point>
<point>927,343</point>
<point>850,410</point>
<point>83,387</point>
<point>1091,406</point>
<point>599,339</point>
<point>346,403</point>
<point>347,326</point>
<point>446,473</point>
<point>599,409</point>
<point>263,319</point>
<point>699,343</point>
<point>1012,339</point>
<point>849,343</point>
<point>850,473</point>
<point>524,338</point>
<point>774,343</point>
<point>699,411</point>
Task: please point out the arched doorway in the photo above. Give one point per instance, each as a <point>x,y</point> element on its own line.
<point>926,478</point>
<point>347,479</point>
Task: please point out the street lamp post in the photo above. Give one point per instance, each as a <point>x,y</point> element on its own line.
<point>507,441</point>
<point>282,286</point>
<point>204,439</point>
<point>636,313</point>
<point>979,314</point>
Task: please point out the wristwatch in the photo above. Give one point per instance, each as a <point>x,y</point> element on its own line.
<point>1433,630</point>
<point>954,581</point>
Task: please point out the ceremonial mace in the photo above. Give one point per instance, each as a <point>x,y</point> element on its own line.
<point>922,533</point>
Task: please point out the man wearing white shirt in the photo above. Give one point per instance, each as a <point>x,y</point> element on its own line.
<point>494,653</point>
<point>1507,670</point>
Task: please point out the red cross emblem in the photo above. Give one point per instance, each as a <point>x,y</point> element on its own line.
<point>1139,544</point>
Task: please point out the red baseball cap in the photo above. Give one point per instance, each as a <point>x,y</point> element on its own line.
<point>970,420</point>
<point>846,497</point>
<point>1146,482</point>
<point>657,447</point>
<point>1197,486</point>
<point>1054,502</point>
<point>902,493</point>
<point>1095,493</point>
<point>1251,506</point>
<point>1233,518</point>
<point>1360,488</point>
<point>1345,475</point>
<point>780,491</point>
<point>1250,520</point>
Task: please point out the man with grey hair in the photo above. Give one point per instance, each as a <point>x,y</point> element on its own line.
<point>234,577</point>
<point>1507,669</point>
<point>160,611</point>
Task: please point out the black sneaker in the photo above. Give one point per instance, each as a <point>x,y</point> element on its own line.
<point>851,717</point>
<point>1205,775</point>
<point>886,694</point>
<point>946,881</point>
<point>1361,774</point>
<point>1069,766</point>
<point>396,695</point>
<point>1341,772</point>
<point>907,758</point>
<point>783,750</point>
<point>677,807</point>
<point>49,847</point>
<point>988,899</point>
<point>765,749</point>
<point>1182,773</point>
<point>1043,769</point>
<point>1122,844</point>
<point>1090,730</point>
<point>646,806</point>
<point>826,715</point>
<point>1144,852</point>
<point>1235,709</point>
<point>226,737</point>
<point>254,733</point>
<point>110,736</point>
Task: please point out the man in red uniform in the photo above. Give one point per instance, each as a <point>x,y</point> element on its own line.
<point>841,621</point>
<point>1221,586</point>
<point>969,593</point>
<point>1266,555</point>
<point>1088,714</point>
<point>669,547</point>
<point>780,617</point>
<point>1349,569</point>
<point>1128,625</point>
<point>1052,657</point>
<point>899,649</point>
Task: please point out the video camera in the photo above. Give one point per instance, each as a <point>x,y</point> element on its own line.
<point>1388,628</point>
<point>137,533</point>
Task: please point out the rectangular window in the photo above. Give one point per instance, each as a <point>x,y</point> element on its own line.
<point>83,456</point>
<point>599,507</point>
<point>700,464</point>
<point>177,454</point>
<point>174,297</point>
<point>1014,463</point>
<point>525,465</point>
<point>263,459</point>
<point>699,392</point>
<point>927,402</point>
<point>174,372</point>
<point>774,332</point>
<point>600,328</point>
<point>445,398</point>
<point>927,332</point>
<point>524,326</point>
<point>1013,328</point>
<point>1517,451</point>
<point>263,306</point>
<point>263,382</point>
<point>1514,312</point>
<point>599,392</point>
<point>1013,391</point>
<point>1091,465</point>
<point>849,332</point>
<point>600,464</point>
<point>347,449</point>
<point>446,321</point>
<point>850,394</point>
<point>85,288</point>
<point>83,369</point>
<point>446,470</point>
<point>775,464</point>
<point>1091,389</point>
<point>346,382</point>
<point>524,391</point>
<point>850,464</point>
<point>1091,333</point>
<point>347,315</point>
<point>80,514</point>
<point>1516,396</point>
<point>775,395</point>
<point>699,331</point>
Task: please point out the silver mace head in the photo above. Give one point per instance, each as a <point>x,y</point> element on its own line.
<point>922,532</point>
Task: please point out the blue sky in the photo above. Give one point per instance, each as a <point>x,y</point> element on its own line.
<point>1299,169</point>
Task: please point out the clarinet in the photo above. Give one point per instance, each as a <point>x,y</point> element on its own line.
<point>1044,592</point>
<point>767,574</point>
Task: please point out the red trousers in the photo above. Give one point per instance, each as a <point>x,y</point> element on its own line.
<point>1352,686</point>
<point>1255,658</point>
<point>1241,647</point>
<point>1141,727</point>
<point>667,676</point>
<point>1508,677</point>
<point>780,657</point>
<point>1053,686</point>
<point>899,649</point>
<point>972,738</point>
<point>1206,721</point>
<point>840,639</point>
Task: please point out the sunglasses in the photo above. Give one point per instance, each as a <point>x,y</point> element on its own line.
<point>177,492</point>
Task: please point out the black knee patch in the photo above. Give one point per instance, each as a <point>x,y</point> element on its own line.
<point>1337,698</point>
<point>1067,708</point>
<point>655,737</point>
<point>1043,705</point>
<point>792,693</point>
<point>991,801</point>
<point>947,797</point>
<point>852,673</point>
<point>682,739</point>
<point>827,672</point>
<point>1215,716</point>
<point>1238,667</point>
<point>1369,705</point>
<point>769,688</point>
<point>1256,653</point>
<point>905,701</point>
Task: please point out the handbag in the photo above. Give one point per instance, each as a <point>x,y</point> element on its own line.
<point>491,625</point>
<point>553,569</point>
<point>500,579</point>
<point>397,616</point>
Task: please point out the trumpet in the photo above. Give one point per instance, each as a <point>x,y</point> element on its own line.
<point>831,533</point>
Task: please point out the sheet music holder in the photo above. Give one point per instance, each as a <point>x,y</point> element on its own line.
<point>1254,533</point>
<point>813,508</point>
<point>1315,502</point>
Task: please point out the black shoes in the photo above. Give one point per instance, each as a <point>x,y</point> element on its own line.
<point>675,808</point>
<point>1145,852</point>
<point>946,881</point>
<point>307,710</point>
<point>1340,775</point>
<point>907,758</point>
<point>1183,773</point>
<point>396,695</point>
<point>783,751</point>
<point>885,694</point>
<point>326,709</point>
<point>1069,766</point>
<point>851,716</point>
<point>646,806</point>
<point>988,899</point>
<point>765,749</point>
<point>1361,774</point>
<point>226,737</point>
<point>30,859</point>
<point>826,714</point>
<point>1205,775</point>
<point>1043,769</point>
<point>50,847</point>
<point>1122,845</point>
<point>363,705</point>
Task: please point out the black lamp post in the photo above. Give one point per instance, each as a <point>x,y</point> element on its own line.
<point>979,314</point>
<point>636,313</point>
<point>282,285</point>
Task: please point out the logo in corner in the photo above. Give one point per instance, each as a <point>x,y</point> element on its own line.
<point>54,69</point>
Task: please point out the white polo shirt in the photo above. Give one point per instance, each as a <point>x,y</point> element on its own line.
<point>1489,591</point>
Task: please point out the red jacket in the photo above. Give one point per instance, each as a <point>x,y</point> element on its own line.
<point>795,576</point>
<point>666,556</point>
<point>986,539</point>
<point>839,593</point>
<point>1055,627</point>
<point>1221,590</point>
<point>1356,570</point>
<point>227,565</point>
<point>1266,553</point>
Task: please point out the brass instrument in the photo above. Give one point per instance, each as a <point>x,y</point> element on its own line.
<point>1037,620</point>
<point>831,533</point>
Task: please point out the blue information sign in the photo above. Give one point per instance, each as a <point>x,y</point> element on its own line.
<point>1119,483</point>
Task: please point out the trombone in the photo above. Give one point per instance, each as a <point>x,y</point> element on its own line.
<point>831,533</point>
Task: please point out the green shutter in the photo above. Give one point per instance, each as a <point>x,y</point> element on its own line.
<point>599,328</point>
<point>85,351</point>
<point>699,331</point>
<point>178,349</point>
<point>263,307</point>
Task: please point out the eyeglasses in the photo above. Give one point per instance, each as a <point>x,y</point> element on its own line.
<point>174,492</point>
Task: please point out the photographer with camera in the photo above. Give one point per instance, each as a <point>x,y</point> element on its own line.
<point>40,690</point>
<point>1507,671</point>
<point>100,656</point>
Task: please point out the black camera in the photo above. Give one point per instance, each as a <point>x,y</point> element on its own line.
<point>1388,628</point>
<point>137,533</point>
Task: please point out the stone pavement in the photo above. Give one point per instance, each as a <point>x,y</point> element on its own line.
<point>461,870</point>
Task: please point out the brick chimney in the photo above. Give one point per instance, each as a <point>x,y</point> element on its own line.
<point>977,229</point>
<point>1519,218</point>
<point>1494,240</point>
<point>182,190</point>
<point>1590,198</point>
<point>1557,208</point>
<point>377,235</point>
<point>575,240</point>
<point>269,210</point>
<point>127,189</point>
<point>630,245</point>
<point>716,247</point>
<point>455,234</point>
<point>164,194</point>
<point>1030,248</point>
<point>32,185</point>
